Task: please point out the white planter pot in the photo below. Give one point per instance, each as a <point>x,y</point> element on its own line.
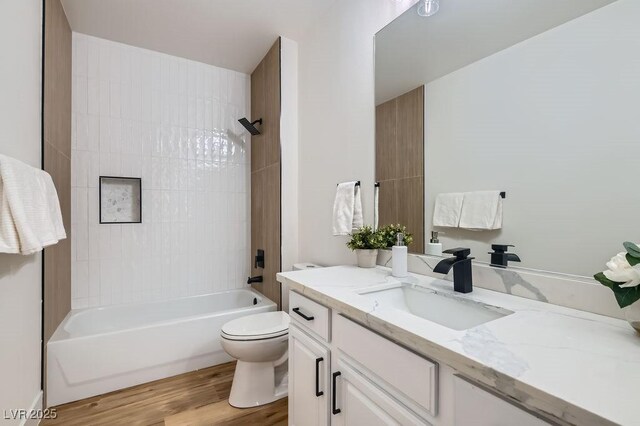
<point>367,258</point>
<point>632,314</point>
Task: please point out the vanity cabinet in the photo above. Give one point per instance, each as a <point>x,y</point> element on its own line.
<point>356,378</point>
<point>341,373</point>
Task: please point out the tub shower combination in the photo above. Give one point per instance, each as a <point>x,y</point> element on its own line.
<point>99,350</point>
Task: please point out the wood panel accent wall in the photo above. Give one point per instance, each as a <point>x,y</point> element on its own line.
<point>57,159</point>
<point>400,163</point>
<point>265,172</point>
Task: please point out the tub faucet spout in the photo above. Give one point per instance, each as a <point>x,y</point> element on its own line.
<point>252,280</point>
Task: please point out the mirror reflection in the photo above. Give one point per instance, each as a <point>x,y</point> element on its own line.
<point>534,100</point>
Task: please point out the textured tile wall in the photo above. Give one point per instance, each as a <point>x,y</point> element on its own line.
<point>172,122</point>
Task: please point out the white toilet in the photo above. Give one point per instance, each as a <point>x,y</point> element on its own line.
<point>260,343</point>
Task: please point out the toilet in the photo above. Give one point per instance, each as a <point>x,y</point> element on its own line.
<point>260,344</point>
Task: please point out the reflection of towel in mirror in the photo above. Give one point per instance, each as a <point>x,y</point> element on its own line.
<point>447,209</point>
<point>481,210</point>
<point>30,217</point>
<point>347,209</point>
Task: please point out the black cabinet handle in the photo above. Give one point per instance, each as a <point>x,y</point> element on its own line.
<point>297,311</point>
<point>334,410</point>
<point>318,391</point>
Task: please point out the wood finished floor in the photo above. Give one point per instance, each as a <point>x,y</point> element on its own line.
<point>198,398</point>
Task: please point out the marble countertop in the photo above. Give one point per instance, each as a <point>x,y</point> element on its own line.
<point>580,368</point>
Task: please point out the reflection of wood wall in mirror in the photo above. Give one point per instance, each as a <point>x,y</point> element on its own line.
<point>57,160</point>
<point>265,172</point>
<point>400,163</point>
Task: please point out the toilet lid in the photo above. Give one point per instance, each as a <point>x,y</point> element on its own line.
<point>267,324</point>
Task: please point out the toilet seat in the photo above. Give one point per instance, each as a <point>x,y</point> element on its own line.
<point>267,325</point>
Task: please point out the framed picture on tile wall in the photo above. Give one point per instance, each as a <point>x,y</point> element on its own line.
<point>120,199</point>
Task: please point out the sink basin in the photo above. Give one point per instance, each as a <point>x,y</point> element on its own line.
<point>444,309</point>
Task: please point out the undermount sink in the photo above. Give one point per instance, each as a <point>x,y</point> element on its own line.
<point>444,309</point>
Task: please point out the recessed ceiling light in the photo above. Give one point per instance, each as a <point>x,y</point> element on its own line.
<point>428,7</point>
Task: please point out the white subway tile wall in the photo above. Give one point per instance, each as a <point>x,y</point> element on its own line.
<point>172,122</point>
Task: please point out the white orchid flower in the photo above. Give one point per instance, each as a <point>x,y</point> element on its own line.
<point>622,272</point>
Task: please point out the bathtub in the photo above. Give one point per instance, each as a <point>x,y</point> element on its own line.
<point>99,350</point>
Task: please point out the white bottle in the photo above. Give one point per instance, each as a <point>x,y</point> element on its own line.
<point>434,247</point>
<point>399,254</point>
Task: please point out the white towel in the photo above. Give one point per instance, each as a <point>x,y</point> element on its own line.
<point>447,209</point>
<point>30,217</point>
<point>481,210</point>
<point>347,209</point>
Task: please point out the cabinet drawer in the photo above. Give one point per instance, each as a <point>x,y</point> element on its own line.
<point>410,374</point>
<point>475,406</point>
<point>309,315</point>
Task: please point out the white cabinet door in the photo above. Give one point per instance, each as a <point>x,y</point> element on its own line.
<point>308,380</point>
<point>476,407</point>
<point>358,401</point>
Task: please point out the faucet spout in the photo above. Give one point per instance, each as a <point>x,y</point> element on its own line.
<point>252,280</point>
<point>461,264</point>
<point>512,257</point>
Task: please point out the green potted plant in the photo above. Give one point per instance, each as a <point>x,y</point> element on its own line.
<point>623,278</point>
<point>389,235</point>
<point>366,242</point>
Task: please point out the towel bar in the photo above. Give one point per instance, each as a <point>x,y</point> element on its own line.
<point>357,183</point>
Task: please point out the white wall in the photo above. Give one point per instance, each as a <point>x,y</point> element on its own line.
<point>20,276</point>
<point>172,122</point>
<point>337,118</point>
<point>553,121</point>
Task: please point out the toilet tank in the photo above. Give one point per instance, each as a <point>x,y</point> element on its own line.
<point>285,286</point>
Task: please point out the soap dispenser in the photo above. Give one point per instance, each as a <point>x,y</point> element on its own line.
<point>434,246</point>
<point>399,254</point>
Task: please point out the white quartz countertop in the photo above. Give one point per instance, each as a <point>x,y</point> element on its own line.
<point>578,367</point>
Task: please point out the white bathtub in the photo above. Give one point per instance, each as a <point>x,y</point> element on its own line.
<point>99,350</point>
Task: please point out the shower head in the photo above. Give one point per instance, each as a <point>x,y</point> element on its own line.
<point>251,126</point>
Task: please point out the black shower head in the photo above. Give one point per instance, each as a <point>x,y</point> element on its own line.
<point>251,126</point>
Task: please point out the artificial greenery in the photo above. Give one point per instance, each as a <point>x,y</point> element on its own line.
<point>625,296</point>
<point>389,235</point>
<point>366,238</point>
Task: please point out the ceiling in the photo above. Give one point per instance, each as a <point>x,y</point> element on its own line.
<point>233,34</point>
<point>414,50</point>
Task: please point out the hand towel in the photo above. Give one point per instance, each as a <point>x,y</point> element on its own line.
<point>447,209</point>
<point>347,209</point>
<point>30,217</point>
<point>481,210</point>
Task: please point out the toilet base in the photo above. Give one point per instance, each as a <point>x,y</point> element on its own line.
<point>257,383</point>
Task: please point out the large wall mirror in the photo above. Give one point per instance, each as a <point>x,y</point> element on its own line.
<point>539,99</point>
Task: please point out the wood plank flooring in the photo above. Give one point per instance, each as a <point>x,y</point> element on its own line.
<point>198,398</point>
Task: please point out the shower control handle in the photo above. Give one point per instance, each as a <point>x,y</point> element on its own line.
<point>258,260</point>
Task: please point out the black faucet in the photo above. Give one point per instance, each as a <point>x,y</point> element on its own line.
<point>461,264</point>
<point>252,280</point>
<point>500,258</point>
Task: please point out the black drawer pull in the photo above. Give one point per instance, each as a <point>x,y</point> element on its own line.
<point>334,410</point>
<point>318,391</point>
<point>297,311</point>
